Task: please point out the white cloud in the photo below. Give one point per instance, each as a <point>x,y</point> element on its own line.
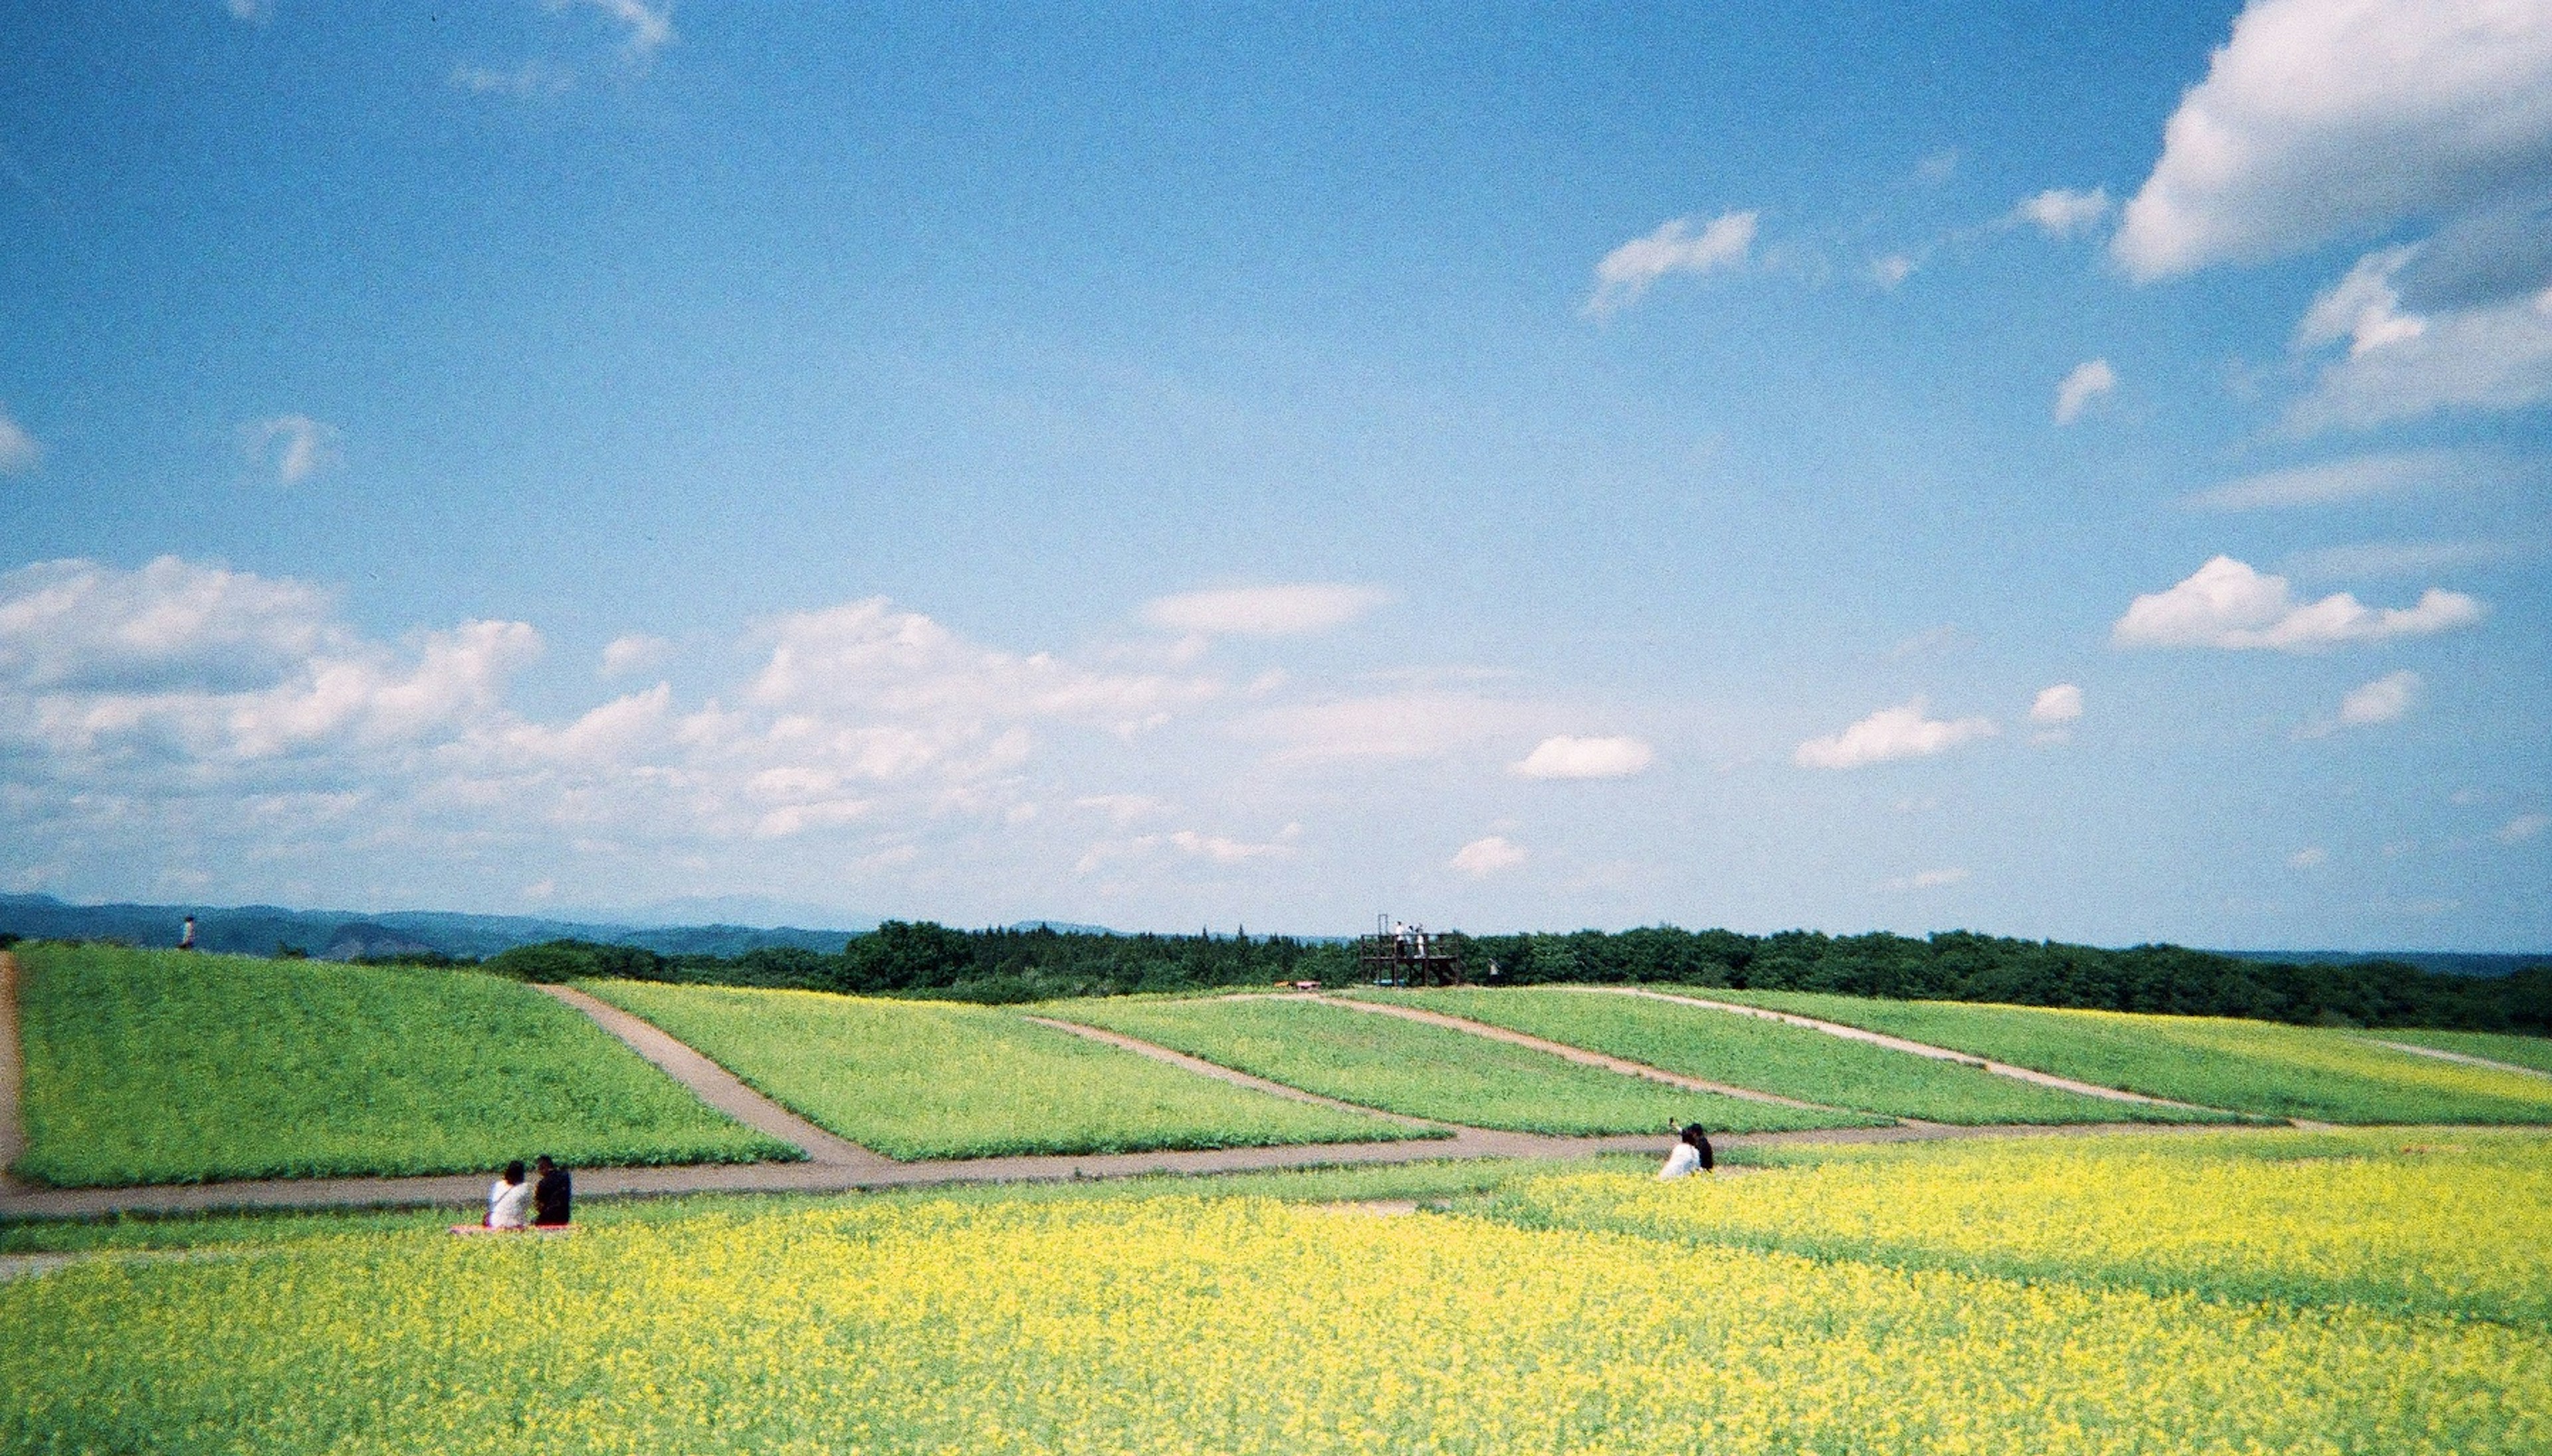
<point>1123,808</point>
<point>1482,858</point>
<point>635,651</point>
<point>2357,477</point>
<point>2404,366</point>
<point>1627,270</point>
<point>650,27</point>
<point>2062,703</point>
<point>2309,857</point>
<point>2320,119</point>
<point>2090,381</point>
<point>1892,269</point>
<point>1938,168</point>
<point>294,447</point>
<point>1927,879</point>
<point>2522,828</point>
<point>19,451</point>
<point>2384,700</point>
<point>2226,604</point>
<point>1291,610</point>
<point>2061,212</point>
<point>1564,756</point>
<point>250,12</point>
<point>1890,734</point>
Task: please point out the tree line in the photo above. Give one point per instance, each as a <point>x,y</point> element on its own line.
<point>1002,966</point>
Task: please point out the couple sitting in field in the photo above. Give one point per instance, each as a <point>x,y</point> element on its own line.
<point>542,1204</point>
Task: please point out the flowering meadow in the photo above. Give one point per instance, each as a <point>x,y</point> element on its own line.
<point>1170,1322</point>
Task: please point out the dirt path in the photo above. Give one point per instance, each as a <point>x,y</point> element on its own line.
<point>719,1088</point>
<point>1900,1044</point>
<point>13,1133</point>
<point>1580,1055</point>
<point>467,1191</point>
<point>2467,1057</point>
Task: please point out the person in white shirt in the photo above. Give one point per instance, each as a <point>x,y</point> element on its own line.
<point>509,1199</point>
<point>1691,1155</point>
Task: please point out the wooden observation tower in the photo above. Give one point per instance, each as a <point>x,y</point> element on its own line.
<point>1400,954</point>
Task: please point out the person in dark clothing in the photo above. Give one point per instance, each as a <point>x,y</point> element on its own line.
<point>1691,1154</point>
<point>551,1194</point>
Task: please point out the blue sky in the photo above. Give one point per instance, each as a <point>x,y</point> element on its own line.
<point>2058,470</point>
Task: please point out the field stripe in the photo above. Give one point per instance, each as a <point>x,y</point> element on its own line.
<point>13,1133</point>
<point>1221,1072</point>
<point>2467,1057</point>
<point>1585,1058</point>
<point>717,1086</point>
<point>1900,1044</point>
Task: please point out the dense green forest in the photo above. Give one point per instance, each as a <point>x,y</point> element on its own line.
<point>902,958</point>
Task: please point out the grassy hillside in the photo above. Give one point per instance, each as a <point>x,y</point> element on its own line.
<point>1787,1061</point>
<point>155,1067</point>
<point>920,1080</point>
<point>1423,1070</point>
<point>2244,1065</point>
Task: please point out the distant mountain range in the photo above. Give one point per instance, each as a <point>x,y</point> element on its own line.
<point>343,935</point>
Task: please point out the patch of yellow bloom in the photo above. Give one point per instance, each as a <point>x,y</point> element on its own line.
<point>1180,1324</point>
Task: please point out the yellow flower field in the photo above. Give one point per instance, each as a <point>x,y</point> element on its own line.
<point>1179,1325</point>
<point>2455,1221</point>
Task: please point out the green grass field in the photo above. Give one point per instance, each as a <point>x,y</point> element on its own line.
<point>1767,1056</point>
<point>939,1080</point>
<point>1423,1071</point>
<point>2516,1050</point>
<point>155,1067</point>
<point>2255,1067</point>
<point>2391,1303</point>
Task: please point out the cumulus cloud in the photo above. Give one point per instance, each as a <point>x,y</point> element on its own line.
<point>1289,610</point>
<point>2063,212</point>
<point>635,651</point>
<point>2062,703</point>
<point>2335,481</point>
<point>2522,828</point>
<point>1564,756</point>
<point>2320,119</point>
<point>1482,858</point>
<point>2226,604</point>
<point>1927,880</point>
<point>293,446</point>
<point>19,451</point>
<point>1628,271</point>
<point>1890,734</point>
<point>2090,381</point>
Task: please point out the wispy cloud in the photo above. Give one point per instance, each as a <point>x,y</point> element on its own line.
<point>19,451</point>
<point>1292,609</point>
<point>2401,557</point>
<point>650,27</point>
<point>2522,828</point>
<point>2089,382</point>
<point>2353,477</point>
<point>293,446</point>
<point>2063,212</point>
<point>528,79</point>
<point>2226,604</point>
<point>1927,880</point>
<point>1628,271</point>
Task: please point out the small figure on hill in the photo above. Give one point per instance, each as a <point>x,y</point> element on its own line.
<point>1691,1155</point>
<point>551,1194</point>
<point>509,1200</point>
<point>187,942</point>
